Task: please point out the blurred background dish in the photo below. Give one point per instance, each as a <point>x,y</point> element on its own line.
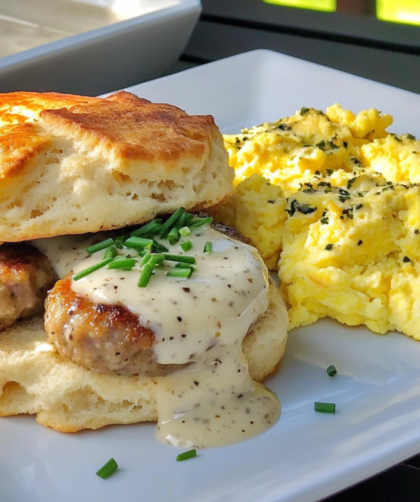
<point>90,46</point>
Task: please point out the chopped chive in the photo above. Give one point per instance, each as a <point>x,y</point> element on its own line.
<point>324,407</point>
<point>328,247</point>
<point>201,222</point>
<point>138,242</point>
<point>156,259</point>
<point>152,227</point>
<point>145,259</point>
<point>159,248</point>
<point>173,236</point>
<point>180,272</point>
<point>208,247</point>
<point>126,264</point>
<point>142,252</point>
<point>184,265</point>
<point>111,252</point>
<point>189,217</point>
<point>108,469</point>
<point>186,455</point>
<point>184,231</point>
<point>186,246</point>
<point>181,221</point>
<point>119,241</point>
<point>331,370</point>
<point>180,259</point>
<point>101,245</point>
<point>171,221</point>
<point>93,268</point>
<point>145,274</point>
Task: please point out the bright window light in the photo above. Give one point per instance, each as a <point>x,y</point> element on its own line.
<point>324,5</point>
<point>398,11</point>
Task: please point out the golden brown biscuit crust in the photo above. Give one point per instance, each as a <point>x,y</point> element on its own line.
<point>74,164</point>
<point>133,128</point>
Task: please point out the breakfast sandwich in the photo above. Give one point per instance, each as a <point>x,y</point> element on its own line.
<point>152,311</point>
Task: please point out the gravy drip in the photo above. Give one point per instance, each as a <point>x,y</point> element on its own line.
<point>202,321</point>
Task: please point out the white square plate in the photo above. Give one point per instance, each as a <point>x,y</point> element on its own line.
<point>305,456</point>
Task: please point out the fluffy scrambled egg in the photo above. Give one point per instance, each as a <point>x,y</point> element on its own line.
<point>335,196</point>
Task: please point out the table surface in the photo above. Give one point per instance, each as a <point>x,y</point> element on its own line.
<point>380,51</point>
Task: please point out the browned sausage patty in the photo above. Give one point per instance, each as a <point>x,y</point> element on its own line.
<point>26,275</point>
<point>103,338</point>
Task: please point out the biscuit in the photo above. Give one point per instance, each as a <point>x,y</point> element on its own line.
<point>74,164</point>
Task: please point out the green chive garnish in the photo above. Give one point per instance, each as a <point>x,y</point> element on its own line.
<point>324,407</point>
<point>138,243</point>
<point>145,274</point>
<point>91,269</point>
<point>145,259</point>
<point>186,246</point>
<point>181,221</point>
<point>180,272</point>
<point>156,259</point>
<point>208,247</point>
<point>188,219</point>
<point>152,227</point>
<point>184,265</point>
<point>180,259</point>
<point>159,248</point>
<point>108,469</point>
<point>201,222</point>
<point>331,370</point>
<point>171,221</point>
<point>126,264</point>
<point>184,231</point>
<point>119,241</point>
<point>173,236</point>
<point>111,252</point>
<point>101,245</point>
<point>186,455</point>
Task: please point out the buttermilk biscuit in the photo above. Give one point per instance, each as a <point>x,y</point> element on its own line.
<point>73,164</point>
<point>64,396</point>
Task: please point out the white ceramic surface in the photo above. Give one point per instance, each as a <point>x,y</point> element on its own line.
<point>306,456</point>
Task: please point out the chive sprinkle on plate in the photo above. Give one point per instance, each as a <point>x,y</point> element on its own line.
<point>108,469</point>
<point>331,370</point>
<point>324,407</point>
<point>186,455</point>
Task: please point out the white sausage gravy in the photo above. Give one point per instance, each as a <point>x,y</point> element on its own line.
<point>201,321</point>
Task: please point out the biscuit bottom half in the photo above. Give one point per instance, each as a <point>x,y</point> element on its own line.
<point>35,379</point>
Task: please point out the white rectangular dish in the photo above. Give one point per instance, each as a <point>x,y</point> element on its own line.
<point>305,456</point>
<point>90,46</point>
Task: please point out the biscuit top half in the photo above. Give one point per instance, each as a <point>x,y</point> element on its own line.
<point>73,164</point>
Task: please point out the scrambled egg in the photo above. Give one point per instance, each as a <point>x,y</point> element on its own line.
<point>243,212</point>
<point>293,150</point>
<point>335,196</point>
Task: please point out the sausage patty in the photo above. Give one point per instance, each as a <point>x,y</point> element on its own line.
<point>26,275</point>
<point>104,338</point>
